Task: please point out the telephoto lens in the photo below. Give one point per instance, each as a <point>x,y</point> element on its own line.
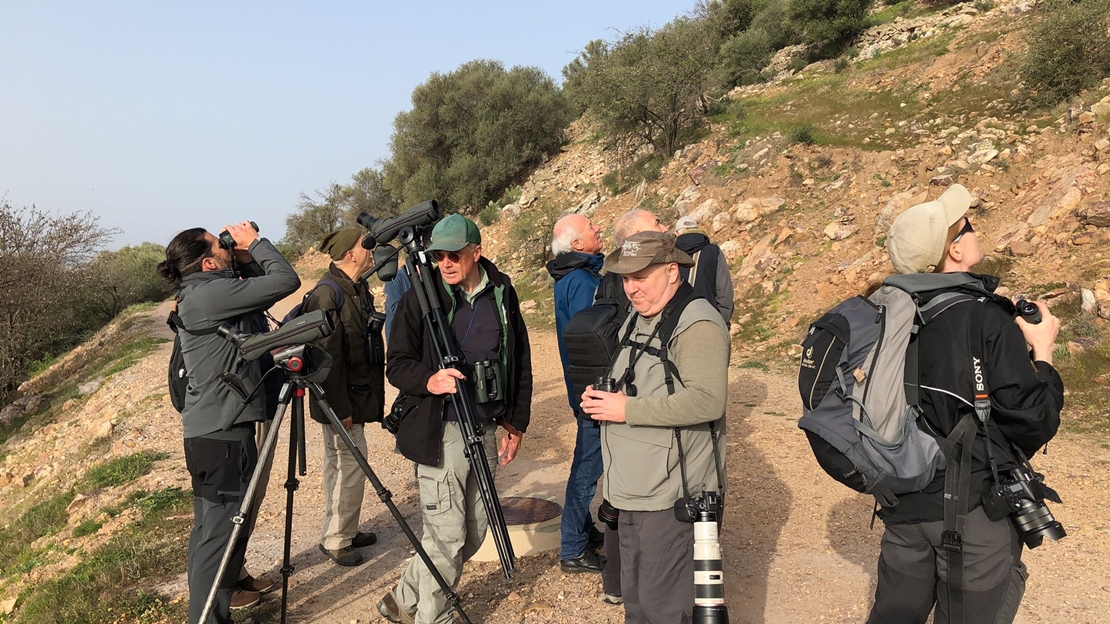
<point>608,514</point>
<point>226,240</point>
<point>709,578</point>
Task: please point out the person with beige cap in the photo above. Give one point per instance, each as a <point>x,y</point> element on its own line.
<point>937,245</point>
<point>661,410</point>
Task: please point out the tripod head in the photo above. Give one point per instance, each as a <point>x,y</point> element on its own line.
<point>304,362</point>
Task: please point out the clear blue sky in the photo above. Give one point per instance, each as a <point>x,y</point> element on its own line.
<point>158,116</point>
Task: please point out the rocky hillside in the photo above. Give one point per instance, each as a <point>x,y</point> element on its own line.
<point>800,179</point>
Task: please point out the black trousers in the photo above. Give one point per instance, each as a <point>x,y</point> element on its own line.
<point>220,466</point>
<point>913,570</point>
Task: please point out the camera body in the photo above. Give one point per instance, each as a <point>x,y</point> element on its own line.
<point>227,241</point>
<point>1020,496</point>
<point>691,509</point>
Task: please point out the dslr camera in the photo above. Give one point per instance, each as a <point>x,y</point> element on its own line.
<point>1020,496</point>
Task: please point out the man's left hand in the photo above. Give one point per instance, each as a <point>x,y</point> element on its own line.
<point>510,444</point>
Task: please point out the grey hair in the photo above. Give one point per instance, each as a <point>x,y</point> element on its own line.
<point>628,224</point>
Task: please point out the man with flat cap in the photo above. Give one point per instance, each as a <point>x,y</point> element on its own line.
<point>355,388</point>
<point>662,434</point>
<point>484,312</point>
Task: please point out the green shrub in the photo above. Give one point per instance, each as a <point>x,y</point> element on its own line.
<point>1068,50</point>
<point>828,25</point>
<point>531,232</point>
<point>88,527</point>
<point>744,55</point>
<point>490,214</point>
<point>803,134</point>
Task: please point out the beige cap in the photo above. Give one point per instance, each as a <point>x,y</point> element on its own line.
<point>644,249</point>
<point>685,223</point>
<point>916,240</point>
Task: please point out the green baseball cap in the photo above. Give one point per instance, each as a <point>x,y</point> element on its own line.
<point>453,233</point>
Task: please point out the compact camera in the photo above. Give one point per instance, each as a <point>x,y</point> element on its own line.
<point>1020,496</point>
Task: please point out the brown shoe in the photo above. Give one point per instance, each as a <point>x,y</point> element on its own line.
<point>346,556</point>
<point>260,585</point>
<point>241,599</point>
<point>392,611</point>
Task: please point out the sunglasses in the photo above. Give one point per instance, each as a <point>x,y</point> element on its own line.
<point>964,230</point>
<point>453,256</point>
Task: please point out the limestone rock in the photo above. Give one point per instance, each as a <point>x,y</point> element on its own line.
<point>731,249</point>
<point>721,221</point>
<point>982,156</point>
<point>686,200</point>
<point>941,180</point>
<point>840,231</point>
<point>895,207</point>
<point>588,206</point>
<point>1021,248</point>
<point>8,414</point>
<point>77,503</point>
<point>1097,214</point>
<point>705,211</point>
<point>107,427</point>
<point>1080,346</point>
<point>510,211</point>
<point>758,255</point>
<point>1085,238</point>
<point>1088,304</point>
<point>1060,206</point>
<point>751,209</point>
<point>88,388</point>
<point>7,606</point>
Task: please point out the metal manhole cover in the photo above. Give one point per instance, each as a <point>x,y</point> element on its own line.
<point>520,510</point>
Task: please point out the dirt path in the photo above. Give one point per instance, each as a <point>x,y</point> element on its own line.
<point>797,548</point>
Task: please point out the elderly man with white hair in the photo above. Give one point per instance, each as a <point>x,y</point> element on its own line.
<point>576,242</point>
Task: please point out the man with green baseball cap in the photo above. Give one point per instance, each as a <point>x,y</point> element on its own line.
<point>484,312</point>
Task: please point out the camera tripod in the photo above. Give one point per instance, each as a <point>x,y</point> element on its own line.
<point>293,393</point>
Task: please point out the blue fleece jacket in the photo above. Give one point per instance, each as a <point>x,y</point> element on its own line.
<point>576,280</point>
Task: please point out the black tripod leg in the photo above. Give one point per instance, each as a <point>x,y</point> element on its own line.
<point>387,498</point>
<point>296,443</point>
<point>244,508</point>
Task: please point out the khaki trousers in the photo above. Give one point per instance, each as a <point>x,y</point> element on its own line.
<point>455,525</point>
<point>344,484</point>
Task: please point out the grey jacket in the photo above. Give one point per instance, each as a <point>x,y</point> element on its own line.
<point>641,456</point>
<point>209,298</point>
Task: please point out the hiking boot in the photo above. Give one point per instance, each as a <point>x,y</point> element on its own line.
<point>613,599</point>
<point>362,540</point>
<point>392,611</point>
<point>241,599</point>
<point>346,556</point>
<point>260,585</point>
<point>588,561</point>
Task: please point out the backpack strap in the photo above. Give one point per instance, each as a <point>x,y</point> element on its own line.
<point>671,314</point>
<point>175,323</point>
<point>957,476</point>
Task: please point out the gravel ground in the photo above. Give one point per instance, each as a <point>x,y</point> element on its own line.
<point>797,547</point>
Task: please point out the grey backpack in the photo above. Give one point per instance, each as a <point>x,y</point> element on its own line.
<point>859,388</point>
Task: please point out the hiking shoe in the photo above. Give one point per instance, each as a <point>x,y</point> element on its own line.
<point>346,556</point>
<point>613,599</point>
<point>393,612</point>
<point>362,540</point>
<point>588,561</point>
<point>241,599</point>
<point>260,585</point>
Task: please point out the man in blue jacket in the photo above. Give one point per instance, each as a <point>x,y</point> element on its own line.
<point>576,243</point>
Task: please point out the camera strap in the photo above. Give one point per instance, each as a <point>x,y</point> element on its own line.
<point>717,465</point>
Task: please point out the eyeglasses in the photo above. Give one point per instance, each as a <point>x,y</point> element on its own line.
<point>964,230</point>
<point>453,256</point>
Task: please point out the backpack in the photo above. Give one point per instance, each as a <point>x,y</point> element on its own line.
<point>858,384</point>
<point>592,335</point>
<point>297,310</point>
<point>703,275</point>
